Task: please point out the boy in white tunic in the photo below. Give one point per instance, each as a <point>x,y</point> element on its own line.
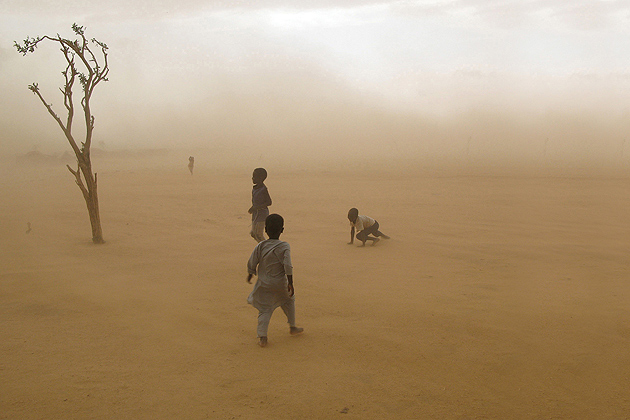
<point>271,258</point>
<point>365,226</point>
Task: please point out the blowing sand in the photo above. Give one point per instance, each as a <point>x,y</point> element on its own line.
<point>498,297</point>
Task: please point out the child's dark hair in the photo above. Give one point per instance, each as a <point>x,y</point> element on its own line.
<point>353,214</point>
<point>262,172</point>
<point>274,223</point>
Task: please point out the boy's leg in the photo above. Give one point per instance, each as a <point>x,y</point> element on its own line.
<point>251,231</point>
<point>263,323</point>
<point>257,231</point>
<point>377,232</point>
<point>380,234</point>
<point>288,308</point>
<point>373,230</point>
<point>363,236</point>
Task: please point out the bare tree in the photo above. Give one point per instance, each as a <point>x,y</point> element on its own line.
<point>81,63</point>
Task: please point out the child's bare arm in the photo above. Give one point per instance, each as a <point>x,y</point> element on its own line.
<point>351,236</point>
<point>291,288</point>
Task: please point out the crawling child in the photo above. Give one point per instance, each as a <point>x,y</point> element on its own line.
<point>364,226</point>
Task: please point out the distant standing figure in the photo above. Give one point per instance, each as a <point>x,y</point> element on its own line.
<point>191,164</point>
<point>271,259</point>
<point>260,203</point>
<point>365,226</point>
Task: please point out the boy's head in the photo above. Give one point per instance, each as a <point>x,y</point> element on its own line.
<point>259,175</point>
<point>353,214</point>
<point>274,226</point>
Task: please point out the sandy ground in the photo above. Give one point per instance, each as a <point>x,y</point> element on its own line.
<point>498,297</point>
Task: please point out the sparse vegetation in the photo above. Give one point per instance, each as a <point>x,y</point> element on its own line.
<point>90,68</point>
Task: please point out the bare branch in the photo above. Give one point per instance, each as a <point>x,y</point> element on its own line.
<point>35,89</point>
<point>79,181</point>
<point>69,75</point>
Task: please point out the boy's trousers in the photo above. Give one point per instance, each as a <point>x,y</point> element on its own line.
<point>257,232</point>
<point>288,308</point>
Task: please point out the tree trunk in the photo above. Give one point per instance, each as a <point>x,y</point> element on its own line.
<point>92,206</point>
<point>89,191</point>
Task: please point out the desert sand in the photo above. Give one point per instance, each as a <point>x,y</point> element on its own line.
<point>499,296</point>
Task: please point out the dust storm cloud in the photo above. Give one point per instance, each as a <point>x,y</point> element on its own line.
<point>395,80</point>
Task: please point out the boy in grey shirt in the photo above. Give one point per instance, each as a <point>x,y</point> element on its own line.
<point>271,259</point>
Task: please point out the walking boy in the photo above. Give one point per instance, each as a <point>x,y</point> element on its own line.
<point>260,203</point>
<point>365,226</point>
<point>274,287</point>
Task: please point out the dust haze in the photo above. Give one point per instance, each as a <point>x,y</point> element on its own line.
<point>317,84</point>
<point>306,116</point>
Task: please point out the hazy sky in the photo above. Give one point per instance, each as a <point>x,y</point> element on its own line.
<point>426,76</point>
